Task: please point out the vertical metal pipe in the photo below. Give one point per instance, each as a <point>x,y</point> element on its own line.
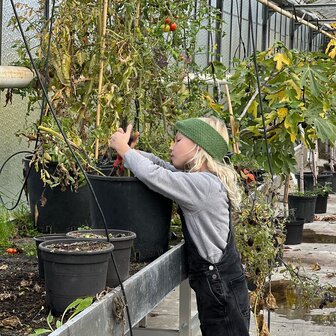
<point>256,24</point>
<point>46,9</point>
<point>291,34</point>
<point>219,28</point>
<point>230,38</point>
<point>275,27</point>
<point>1,24</point>
<point>249,24</point>
<point>264,27</point>
<point>280,28</point>
<point>240,26</point>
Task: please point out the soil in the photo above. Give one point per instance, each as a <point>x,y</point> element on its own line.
<point>22,295</point>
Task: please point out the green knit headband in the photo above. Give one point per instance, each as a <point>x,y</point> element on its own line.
<point>203,135</point>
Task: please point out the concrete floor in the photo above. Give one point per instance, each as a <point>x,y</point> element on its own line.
<point>283,321</point>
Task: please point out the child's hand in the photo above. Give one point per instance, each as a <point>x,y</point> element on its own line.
<point>119,140</point>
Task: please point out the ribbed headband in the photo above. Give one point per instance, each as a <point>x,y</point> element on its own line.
<point>203,135</point>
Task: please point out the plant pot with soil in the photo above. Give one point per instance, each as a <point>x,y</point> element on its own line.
<point>321,179</point>
<point>128,204</point>
<point>73,268</point>
<point>55,209</point>
<point>322,192</point>
<point>294,230</point>
<point>122,242</point>
<point>303,204</point>
<point>40,239</point>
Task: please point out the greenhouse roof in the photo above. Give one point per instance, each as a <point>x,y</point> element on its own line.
<point>320,9</point>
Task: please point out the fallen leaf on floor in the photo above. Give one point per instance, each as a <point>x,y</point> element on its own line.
<point>3,267</point>
<point>330,275</point>
<point>297,249</point>
<point>37,288</point>
<point>25,283</point>
<point>327,218</point>
<point>11,322</point>
<point>7,295</point>
<point>316,267</point>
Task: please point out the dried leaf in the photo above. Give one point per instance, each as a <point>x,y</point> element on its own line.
<point>11,322</point>
<point>271,303</point>
<point>3,267</point>
<point>36,215</point>
<point>262,327</point>
<point>330,275</point>
<point>316,267</point>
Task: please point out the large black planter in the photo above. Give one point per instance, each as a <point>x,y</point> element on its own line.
<point>122,242</point>
<point>40,239</point>
<point>303,206</point>
<point>322,179</point>
<point>129,205</point>
<point>294,231</point>
<point>333,180</point>
<point>63,211</point>
<point>321,204</point>
<point>71,274</point>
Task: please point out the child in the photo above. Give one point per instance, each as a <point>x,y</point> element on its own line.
<point>206,189</point>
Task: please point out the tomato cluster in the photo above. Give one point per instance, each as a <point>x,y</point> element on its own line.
<point>169,25</point>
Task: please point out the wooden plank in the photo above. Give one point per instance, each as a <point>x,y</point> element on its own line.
<point>144,291</point>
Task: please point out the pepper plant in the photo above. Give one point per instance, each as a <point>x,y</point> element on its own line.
<point>142,59</point>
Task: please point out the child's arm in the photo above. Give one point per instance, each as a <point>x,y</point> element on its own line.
<point>156,160</point>
<point>188,189</point>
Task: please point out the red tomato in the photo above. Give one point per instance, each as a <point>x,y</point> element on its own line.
<point>173,26</point>
<point>11,250</point>
<point>84,39</point>
<point>167,20</point>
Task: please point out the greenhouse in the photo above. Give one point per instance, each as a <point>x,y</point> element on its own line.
<point>167,167</point>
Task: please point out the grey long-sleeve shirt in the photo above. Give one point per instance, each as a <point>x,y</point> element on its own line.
<point>200,195</point>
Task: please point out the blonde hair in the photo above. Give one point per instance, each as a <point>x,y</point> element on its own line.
<point>225,171</point>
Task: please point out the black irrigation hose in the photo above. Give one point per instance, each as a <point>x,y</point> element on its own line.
<point>74,156</point>
<point>40,122</point>
<point>24,183</point>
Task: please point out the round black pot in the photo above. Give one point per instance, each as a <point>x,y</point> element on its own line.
<point>70,275</point>
<point>122,242</point>
<point>64,210</point>
<point>304,206</point>
<point>321,204</point>
<point>308,179</point>
<point>129,205</point>
<point>38,240</point>
<point>294,231</point>
<point>333,180</point>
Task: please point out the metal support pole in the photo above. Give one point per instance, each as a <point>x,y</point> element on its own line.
<point>264,27</point>
<point>185,309</point>
<point>1,24</point>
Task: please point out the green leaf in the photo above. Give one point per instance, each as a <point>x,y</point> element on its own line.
<point>81,305</point>
<point>41,332</point>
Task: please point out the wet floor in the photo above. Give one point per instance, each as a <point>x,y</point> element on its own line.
<point>310,236</point>
<point>291,307</point>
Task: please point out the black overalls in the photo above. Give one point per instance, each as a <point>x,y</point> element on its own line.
<point>221,289</point>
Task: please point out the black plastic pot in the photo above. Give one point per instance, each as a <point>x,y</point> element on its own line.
<point>129,205</point>
<point>303,206</point>
<point>321,204</point>
<point>308,179</point>
<point>294,231</point>
<point>333,180</point>
<point>73,274</point>
<point>38,240</point>
<point>122,242</point>
<point>63,211</point>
